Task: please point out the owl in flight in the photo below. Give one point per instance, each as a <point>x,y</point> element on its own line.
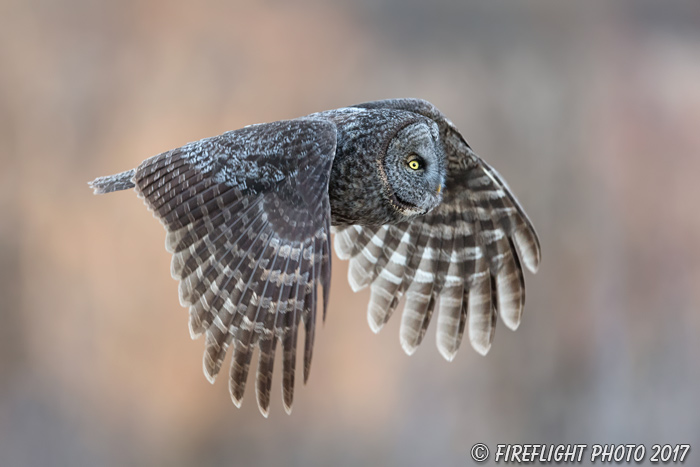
<point>249,216</point>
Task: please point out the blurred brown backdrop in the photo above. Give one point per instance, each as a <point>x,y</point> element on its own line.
<point>590,110</point>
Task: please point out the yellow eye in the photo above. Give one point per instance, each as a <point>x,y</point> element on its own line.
<point>414,164</point>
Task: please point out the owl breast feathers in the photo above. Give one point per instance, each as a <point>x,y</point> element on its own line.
<point>420,216</point>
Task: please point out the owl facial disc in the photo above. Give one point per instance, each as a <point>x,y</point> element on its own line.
<point>414,166</point>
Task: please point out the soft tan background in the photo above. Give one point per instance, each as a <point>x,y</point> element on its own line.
<point>591,112</point>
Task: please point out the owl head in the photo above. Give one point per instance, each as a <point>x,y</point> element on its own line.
<point>413,169</point>
<point>389,166</point>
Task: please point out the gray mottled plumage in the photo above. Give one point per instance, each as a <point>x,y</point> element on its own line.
<point>248,216</point>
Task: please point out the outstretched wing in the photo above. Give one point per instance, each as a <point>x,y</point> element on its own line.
<point>464,252</point>
<point>247,217</point>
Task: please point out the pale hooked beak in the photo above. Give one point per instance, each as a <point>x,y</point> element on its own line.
<point>439,188</point>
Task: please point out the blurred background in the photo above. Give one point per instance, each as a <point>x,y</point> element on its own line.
<point>591,111</point>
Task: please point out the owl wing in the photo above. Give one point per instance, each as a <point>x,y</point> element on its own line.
<point>247,217</point>
<point>464,252</point>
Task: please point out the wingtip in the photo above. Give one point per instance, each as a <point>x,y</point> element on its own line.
<point>174,265</point>
<point>193,334</point>
<point>208,371</point>
<point>447,353</point>
<point>529,247</point>
<point>307,371</point>
<point>211,378</point>
<point>481,348</point>
<point>194,324</point>
<point>511,323</point>
<point>374,325</point>
<point>170,248</point>
<point>236,401</point>
<point>511,313</point>
<point>356,279</point>
<point>182,293</point>
<point>407,347</point>
<point>532,263</point>
<point>480,342</point>
<point>342,246</point>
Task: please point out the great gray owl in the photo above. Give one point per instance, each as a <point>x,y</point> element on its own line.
<point>248,216</point>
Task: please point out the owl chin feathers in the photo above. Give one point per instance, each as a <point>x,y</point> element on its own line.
<point>409,211</point>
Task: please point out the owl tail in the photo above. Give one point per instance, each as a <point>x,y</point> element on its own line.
<point>110,183</point>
